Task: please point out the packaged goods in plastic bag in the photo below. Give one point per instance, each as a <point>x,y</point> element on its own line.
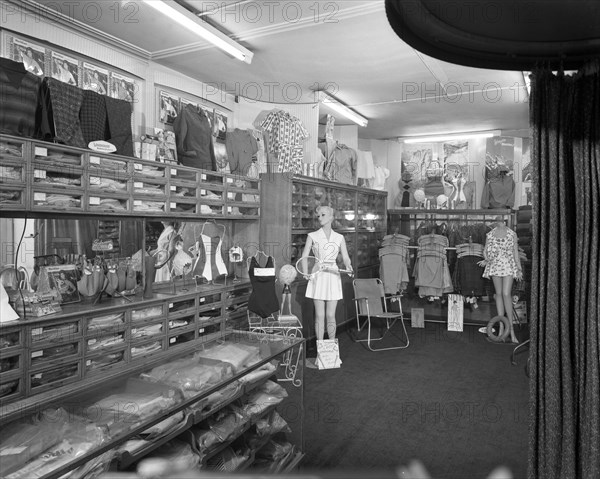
<point>191,375</point>
<point>238,355</point>
<point>258,401</point>
<point>179,452</point>
<point>263,372</point>
<point>22,441</point>
<point>271,424</point>
<point>79,437</point>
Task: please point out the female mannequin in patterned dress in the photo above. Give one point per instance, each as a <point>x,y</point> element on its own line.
<point>325,287</point>
<point>503,265</point>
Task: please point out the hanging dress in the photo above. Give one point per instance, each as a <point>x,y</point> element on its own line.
<point>327,284</point>
<point>263,299</point>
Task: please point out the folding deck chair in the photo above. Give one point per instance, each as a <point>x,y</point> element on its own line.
<point>370,302</point>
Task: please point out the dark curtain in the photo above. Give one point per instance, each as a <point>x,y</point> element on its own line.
<point>564,440</point>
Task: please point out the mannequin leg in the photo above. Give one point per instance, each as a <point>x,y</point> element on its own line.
<point>498,296</point>
<point>507,282</point>
<point>319,318</point>
<point>331,323</point>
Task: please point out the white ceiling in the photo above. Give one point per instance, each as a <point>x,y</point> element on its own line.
<point>303,45</point>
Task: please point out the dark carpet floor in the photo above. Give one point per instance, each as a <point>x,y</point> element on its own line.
<point>451,400</point>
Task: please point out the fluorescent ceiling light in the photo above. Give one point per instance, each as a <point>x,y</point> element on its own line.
<point>187,19</point>
<point>451,136</point>
<point>343,110</point>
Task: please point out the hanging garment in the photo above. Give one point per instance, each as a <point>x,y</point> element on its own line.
<point>499,192</point>
<point>92,117</point>
<point>19,93</point>
<point>193,136</point>
<point>120,135</point>
<point>285,137</point>
<point>327,284</point>
<point>261,155</point>
<point>241,147</point>
<point>345,164</point>
<point>393,267</point>
<point>378,181</point>
<point>365,168</point>
<point>263,299</point>
<point>431,271</point>
<point>213,265</point>
<point>61,104</point>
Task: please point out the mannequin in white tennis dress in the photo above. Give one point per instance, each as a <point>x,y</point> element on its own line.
<point>325,288</point>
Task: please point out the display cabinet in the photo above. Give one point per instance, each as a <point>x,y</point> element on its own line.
<point>102,343</point>
<point>288,205</point>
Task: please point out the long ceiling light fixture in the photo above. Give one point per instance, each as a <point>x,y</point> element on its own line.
<point>187,19</point>
<point>342,109</point>
<point>451,136</point>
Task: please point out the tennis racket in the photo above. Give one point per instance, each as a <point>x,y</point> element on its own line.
<point>309,266</point>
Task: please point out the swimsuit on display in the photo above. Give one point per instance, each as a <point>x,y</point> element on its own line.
<point>263,299</point>
<point>214,265</point>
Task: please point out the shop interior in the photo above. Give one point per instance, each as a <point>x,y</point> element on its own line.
<point>166,168</point>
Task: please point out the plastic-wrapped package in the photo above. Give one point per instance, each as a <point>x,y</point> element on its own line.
<point>267,395</point>
<point>263,372</point>
<point>78,438</point>
<point>191,375</point>
<point>129,405</point>
<point>92,469</point>
<point>164,427</point>
<point>22,441</point>
<point>218,397</point>
<point>176,454</point>
<point>227,460</point>
<point>238,355</point>
<point>272,424</point>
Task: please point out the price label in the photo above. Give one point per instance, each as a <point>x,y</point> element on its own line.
<point>173,188</point>
<point>138,166</point>
<point>202,192</point>
<point>173,172</point>
<point>203,177</point>
<point>39,196</point>
<point>173,206</point>
<point>88,362</point>
<point>229,180</point>
<point>201,330</point>
<point>172,340</point>
<point>39,173</point>
<point>94,200</point>
<point>95,160</point>
<point>138,184</point>
<point>91,341</point>
<point>229,209</point>
<point>137,202</point>
<point>202,300</point>
<point>37,354</point>
<point>170,305</point>
<point>41,151</point>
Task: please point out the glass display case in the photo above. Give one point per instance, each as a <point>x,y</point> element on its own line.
<point>80,205</point>
<point>360,215</point>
